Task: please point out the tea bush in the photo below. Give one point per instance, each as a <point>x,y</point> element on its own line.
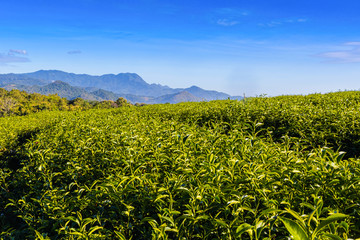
<point>263,168</point>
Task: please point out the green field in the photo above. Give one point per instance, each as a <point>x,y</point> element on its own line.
<point>262,168</point>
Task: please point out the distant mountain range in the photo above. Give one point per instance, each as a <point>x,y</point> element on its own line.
<point>105,87</point>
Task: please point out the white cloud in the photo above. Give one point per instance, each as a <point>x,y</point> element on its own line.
<point>8,58</point>
<point>301,20</point>
<point>270,24</point>
<point>226,22</point>
<point>13,56</point>
<point>229,16</point>
<point>231,12</point>
<point>17,51</point>
<point>74,52</point>
<point>343,56</point>
<point>352,43</point>
<point>275,23</point>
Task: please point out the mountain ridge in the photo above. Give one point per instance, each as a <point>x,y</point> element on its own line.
<point>104,87</point>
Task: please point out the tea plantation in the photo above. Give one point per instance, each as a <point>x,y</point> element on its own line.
<point>263,168</point>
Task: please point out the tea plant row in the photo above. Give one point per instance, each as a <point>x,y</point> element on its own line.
<point>263,168</point>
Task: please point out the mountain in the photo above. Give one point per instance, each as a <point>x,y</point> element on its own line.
<point>126,83</point>
<point>61,88</point>
<point>105,95</point>
<point>19,79</point>
<point>137,99</point>
<point>182,96</point>
<point>105,87</point>
<point>206,94</point>
<point>67,91</point>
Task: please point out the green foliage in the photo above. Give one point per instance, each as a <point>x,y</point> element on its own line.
<point>121,102</point>
<point>17,102</point>
<point>264,168</point>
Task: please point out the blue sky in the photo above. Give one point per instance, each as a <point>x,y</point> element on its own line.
<point>255,47</point>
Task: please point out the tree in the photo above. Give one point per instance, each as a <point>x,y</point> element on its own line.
<point>7,104</point>
<point>121,102</point>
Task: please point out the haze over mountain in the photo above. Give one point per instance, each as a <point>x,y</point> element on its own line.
<point>183,96</point>
<point>105,87</point>
<point>58,87</point>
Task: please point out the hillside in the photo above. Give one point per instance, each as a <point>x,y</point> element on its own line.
<point>105,95</point>
<point>63,89</point>
<point>264,167</point>
<point>183,96</point>
<point>20,79</point>
<point>122,84</point>
<point>206,94</point>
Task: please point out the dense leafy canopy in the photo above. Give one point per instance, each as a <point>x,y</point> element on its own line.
<point>262,168</point>
<point>17,102</point>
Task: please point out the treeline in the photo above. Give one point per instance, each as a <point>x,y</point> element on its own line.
<point>16,102</point>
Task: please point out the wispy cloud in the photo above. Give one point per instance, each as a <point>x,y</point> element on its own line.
<point>344,56</point>
<point>231,12</point>
<point>229,16</point>
<point>226,22</point>
<point>74,52</point>
<point>279,22</point>
<point>352,43</point>
<point>12,56</point>
<point>17,51</point>
<point>6,58</point>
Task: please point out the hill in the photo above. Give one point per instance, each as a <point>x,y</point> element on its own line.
<point>286,167</point>
<point>63,89</point>
<point>105,95</point>
<point>122,84</point>
<point>206,94</point>
<point>183,96</point>
<point>20,79</point>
